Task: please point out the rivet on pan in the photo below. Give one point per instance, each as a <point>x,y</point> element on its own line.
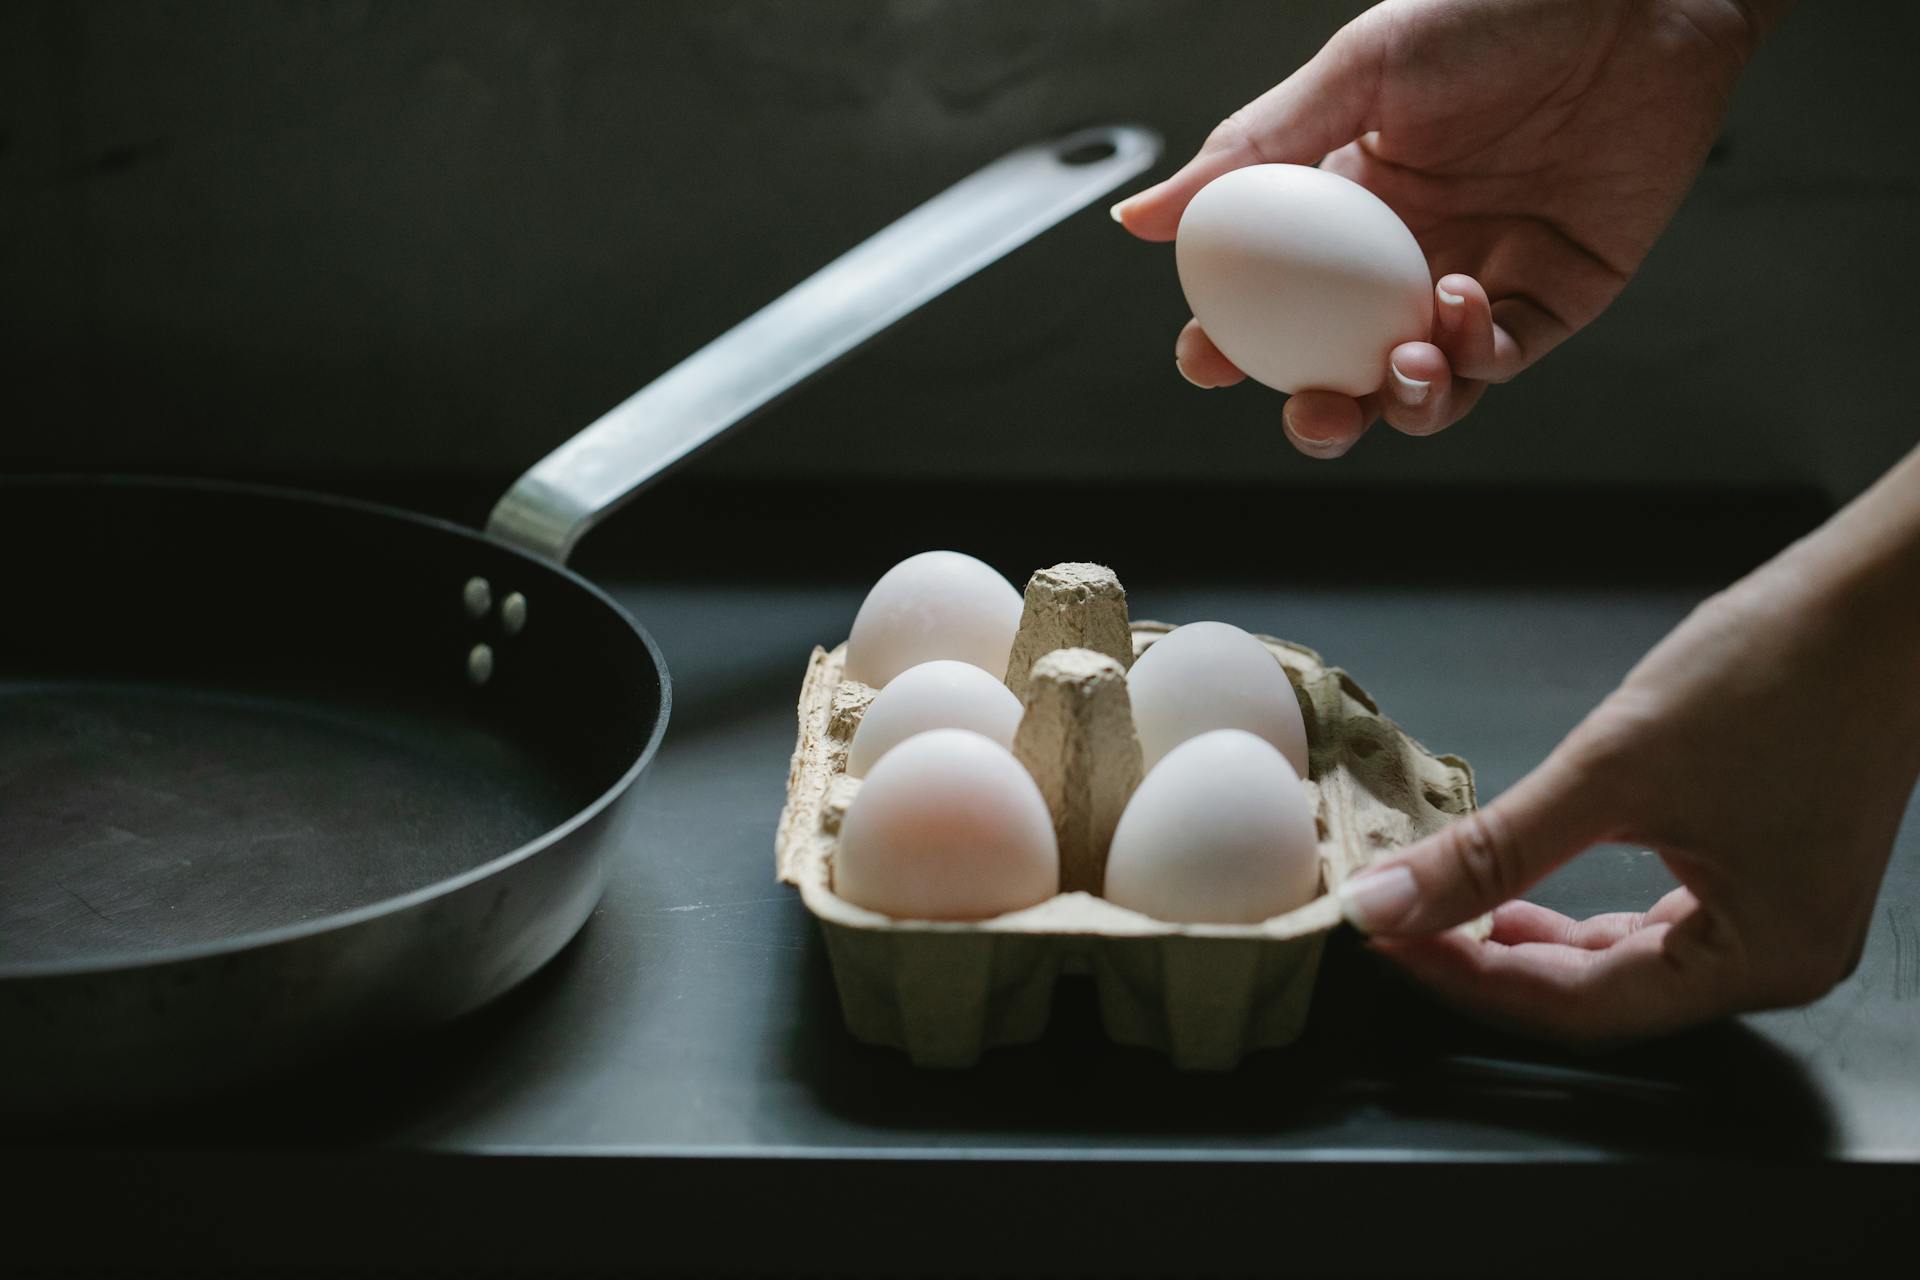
<point>477,596</point>
<point>513,614</point>
<point>479,664</point>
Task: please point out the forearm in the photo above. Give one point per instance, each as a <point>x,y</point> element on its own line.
<point>1873,545</point>
<point>1862,571</point>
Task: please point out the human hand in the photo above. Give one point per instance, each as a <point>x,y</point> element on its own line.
<point>1766,749</point>
<point>1535,147</point>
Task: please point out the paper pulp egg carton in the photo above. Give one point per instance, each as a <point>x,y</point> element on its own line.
<point>1205,994</point>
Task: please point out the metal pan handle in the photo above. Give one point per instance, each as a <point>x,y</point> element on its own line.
<point>822,318</point>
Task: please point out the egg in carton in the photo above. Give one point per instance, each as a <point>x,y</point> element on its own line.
<point>1205,994</point>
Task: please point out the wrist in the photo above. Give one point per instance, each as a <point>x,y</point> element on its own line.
<point>1860,572</point>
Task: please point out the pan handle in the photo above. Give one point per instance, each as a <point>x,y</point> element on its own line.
<point>819,320</point>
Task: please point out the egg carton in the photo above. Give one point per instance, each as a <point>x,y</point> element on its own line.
<point>1204,994</point>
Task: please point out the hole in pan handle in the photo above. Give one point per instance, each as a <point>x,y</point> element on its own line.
<point>945,240</point>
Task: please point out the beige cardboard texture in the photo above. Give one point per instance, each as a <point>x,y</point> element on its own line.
<point>1204,994</point>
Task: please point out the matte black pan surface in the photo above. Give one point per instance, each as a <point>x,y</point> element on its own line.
<point>256,798</point>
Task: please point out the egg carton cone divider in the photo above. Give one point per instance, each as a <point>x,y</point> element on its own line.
<point>1204,994</point>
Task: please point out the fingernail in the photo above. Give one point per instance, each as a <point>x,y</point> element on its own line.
<point>1450,299</point>
<point>1378,900</point>
<point>1299,436</point>
<point>1114,212</point>
<point>1412,390</point>
<point>1189,377</point>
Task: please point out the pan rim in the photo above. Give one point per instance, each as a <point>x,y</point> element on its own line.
<point>263,939</point>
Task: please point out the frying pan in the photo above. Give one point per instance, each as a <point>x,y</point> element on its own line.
<point>281,774</point>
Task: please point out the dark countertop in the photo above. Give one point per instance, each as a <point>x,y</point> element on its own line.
<point>687,1048</point>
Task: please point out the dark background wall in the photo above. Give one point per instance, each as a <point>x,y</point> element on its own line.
<point>270,238</point>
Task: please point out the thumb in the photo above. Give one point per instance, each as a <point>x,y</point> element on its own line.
<point>1319,108</point>
<point>1489,857</point>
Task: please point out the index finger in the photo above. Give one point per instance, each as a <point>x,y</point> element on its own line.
<point>1320,107</point>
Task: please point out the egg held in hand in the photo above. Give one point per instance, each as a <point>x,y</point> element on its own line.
<point>938,604</point>
<point>942,694</point>
<point>1303,279</point>
<point>947,826</point>
<point>1212,675</point>
<point>1219,832</point>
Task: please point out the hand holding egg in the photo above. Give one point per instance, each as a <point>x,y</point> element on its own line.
<point>1302,279</point>
<point>1531,222</point>
<point>1311,284</point>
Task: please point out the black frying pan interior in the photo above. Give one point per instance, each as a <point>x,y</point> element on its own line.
<point>227,711</point>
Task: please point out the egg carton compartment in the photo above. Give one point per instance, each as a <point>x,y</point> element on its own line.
<point>1204,994</point>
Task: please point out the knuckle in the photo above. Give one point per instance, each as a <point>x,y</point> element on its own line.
<point>1480,854</point>
<point>1226,135</point>
<point>1237,132</point>
<point>1610,742</point>
<point>1727,611</point>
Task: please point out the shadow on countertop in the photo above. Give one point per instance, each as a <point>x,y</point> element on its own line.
<point>1381,1071</point>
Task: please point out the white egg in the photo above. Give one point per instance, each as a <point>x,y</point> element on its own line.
<point>947,826</point>
<point>938,604</point>
<point>1302,278</point>
<point>942,694</point>
<point>1210,675</point>
<point>1219,832</point>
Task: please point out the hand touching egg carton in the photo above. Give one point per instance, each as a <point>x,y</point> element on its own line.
<point>988,792</point>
